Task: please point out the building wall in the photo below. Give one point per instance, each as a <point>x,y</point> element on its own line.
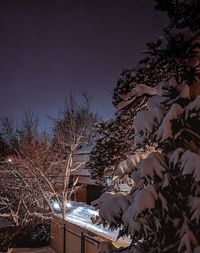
<point>81,195</point>
<point>87,194</point>
<point>93,193</point>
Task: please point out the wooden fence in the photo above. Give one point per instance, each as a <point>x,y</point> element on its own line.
<point>69,238</point>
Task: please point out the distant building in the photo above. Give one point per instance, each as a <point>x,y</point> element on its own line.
<point>87,190</point>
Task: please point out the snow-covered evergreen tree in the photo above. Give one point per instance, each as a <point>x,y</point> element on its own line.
<point>110,147</point>
<point>162,211</point>
<point>160,63</point>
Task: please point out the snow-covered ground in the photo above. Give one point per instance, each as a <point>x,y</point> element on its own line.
<point>35,250</point>
<point>80,214</point>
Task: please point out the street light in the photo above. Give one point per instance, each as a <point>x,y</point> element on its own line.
<point>9,160</point>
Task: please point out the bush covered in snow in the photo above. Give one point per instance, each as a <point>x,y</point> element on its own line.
<point>35,234</point>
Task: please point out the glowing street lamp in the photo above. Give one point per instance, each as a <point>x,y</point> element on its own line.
<point>9,160</point>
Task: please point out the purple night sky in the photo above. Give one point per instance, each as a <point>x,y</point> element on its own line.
<point>50,48</point>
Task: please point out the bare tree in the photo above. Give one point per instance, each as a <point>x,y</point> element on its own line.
<point>73,135</point>
<point>25,172</point>
<point>37,163</point>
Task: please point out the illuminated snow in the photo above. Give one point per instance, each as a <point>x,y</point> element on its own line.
<point>80,214</point>
<point>111,206</point>
<point>56,206</point>
<point>153,164</point>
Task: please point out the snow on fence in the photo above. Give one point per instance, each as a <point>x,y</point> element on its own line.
<point>78,234</point>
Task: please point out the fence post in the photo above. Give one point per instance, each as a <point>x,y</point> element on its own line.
<point>64,238</point>
<point>82,243</point>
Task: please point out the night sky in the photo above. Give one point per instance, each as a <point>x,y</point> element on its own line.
<point>49,48</point>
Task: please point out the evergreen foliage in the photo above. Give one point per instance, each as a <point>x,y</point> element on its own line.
<point>164,162</point>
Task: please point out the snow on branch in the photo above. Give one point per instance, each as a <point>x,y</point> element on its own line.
<point>129,165</point>
<point>153,164</point>
<point>190,164</point>
<point>165,130</point>
<point>195,208</point>
<point>188,238</point>
<point>192,106</point>
<point>145,199</point>
<point>175,157</point>
<point>138,91</point>
<point>111,207</point>
<point>144,123</point>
